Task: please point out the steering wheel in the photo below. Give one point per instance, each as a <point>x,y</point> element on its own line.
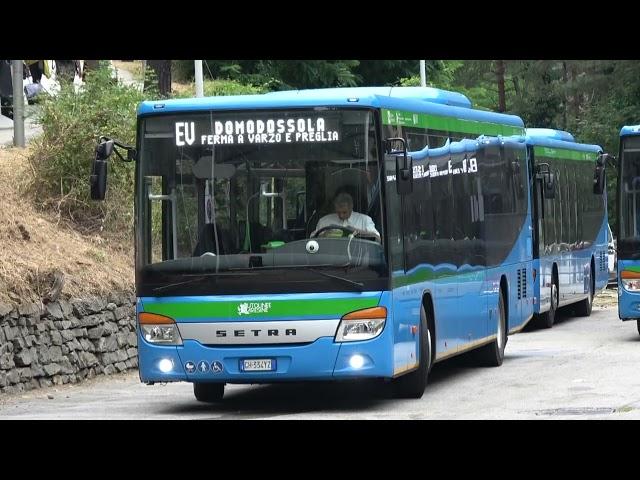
<point>208,254</point>
<point>346,231</point>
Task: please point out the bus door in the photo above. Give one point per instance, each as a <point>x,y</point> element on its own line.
<point>544,222</point>
<point>538,215</point>
<point>514,159</point>
<point>443,260</point>
<point>404,312</point>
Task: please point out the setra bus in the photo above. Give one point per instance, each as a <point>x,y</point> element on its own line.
<point>333,234</point>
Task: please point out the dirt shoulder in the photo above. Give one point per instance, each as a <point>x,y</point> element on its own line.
<point>41,256</point>
<point>608,298</point>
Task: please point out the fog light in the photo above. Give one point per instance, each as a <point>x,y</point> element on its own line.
<point>356,361</point>
<point>165,365</point>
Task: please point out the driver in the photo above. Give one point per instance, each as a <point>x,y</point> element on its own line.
<point>360,223</point>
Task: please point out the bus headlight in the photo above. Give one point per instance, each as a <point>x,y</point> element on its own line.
<point>631,285</point>
<point>361,325</point>
<point>159,329</point>
<point>630,280</point>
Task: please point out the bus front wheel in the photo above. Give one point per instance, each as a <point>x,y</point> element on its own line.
<point>412,385</point>
<point>547,319</point>
<point>492,355</point>
<point>585,307</point>
<point>208,392</point>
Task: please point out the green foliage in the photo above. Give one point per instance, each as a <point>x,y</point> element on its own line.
<point>72,122</point>
<point>374,73</point>
<point>410,81</point>
<point>442,74</point>
<point>272,75</point>
<point>213,88</point>
<point>300,74</point>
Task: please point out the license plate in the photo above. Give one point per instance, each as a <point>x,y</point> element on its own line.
<point>258,365</point>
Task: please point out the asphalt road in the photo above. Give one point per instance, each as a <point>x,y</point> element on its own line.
<point>582,368</point>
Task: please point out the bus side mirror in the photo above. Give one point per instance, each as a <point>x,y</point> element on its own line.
<point>599,180</point>
<point>397,147</point>
<point>548,179</point>
<point>98,178</point>
<point>549,186</point>
<point>404,174</point>
<point>599,177</point>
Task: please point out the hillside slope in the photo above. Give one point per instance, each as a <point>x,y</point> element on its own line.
<point>43,258</point>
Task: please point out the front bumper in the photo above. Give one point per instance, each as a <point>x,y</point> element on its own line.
<point>322,359</point>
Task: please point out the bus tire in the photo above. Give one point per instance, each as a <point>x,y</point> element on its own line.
<point>583,308</point>
<point>547,319</point>
<point>412,385</point>
<point>208,392</point>
<point>492,355</point>
<point>638,323</point>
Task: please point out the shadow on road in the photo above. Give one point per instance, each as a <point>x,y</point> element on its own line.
<point>564,316</point>
<point>322,397</point>
<point>290,398</point>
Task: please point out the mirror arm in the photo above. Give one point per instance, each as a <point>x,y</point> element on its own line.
<point>119,155</point>
<point>131,151</point>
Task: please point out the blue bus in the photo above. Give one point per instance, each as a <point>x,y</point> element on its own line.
<point>336,234</point>
<point>570,235</point>
<point>628,243</point>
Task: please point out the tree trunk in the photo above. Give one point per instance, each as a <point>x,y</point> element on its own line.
<point>574,100</point>
<point>89,65</point>
<point>162,69</point>
<point>565,79</point>
<point>502,102</point>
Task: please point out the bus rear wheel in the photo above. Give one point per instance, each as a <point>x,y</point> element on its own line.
<point>412,385</point>
<point>208,392</point>
<point>638,322</point>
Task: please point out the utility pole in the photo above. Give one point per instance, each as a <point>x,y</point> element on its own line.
<point>199,79</point>
<point>423,73</point>
<point>18,104</point>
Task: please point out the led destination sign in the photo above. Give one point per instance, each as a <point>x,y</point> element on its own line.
<point>253,131</point>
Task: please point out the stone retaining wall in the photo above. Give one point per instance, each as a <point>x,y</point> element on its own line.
<point>66,341</point>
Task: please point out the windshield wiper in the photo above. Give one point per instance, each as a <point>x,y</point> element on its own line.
<point>356,285</point>
<point>359,286</point>
<point>202,277</point>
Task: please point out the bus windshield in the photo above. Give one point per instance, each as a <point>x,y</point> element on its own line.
<point>630,191</point>
<point>229,194</point>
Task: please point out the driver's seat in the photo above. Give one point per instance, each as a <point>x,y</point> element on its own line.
<point>207,242</point>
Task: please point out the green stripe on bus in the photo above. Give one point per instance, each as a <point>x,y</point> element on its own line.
<point>448,124</point>
<point>425,274</point>
<point>565,154</point>
<point>632,269</point>
<point>269,309</point>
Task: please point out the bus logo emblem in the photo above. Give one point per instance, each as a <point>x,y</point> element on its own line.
<point>247,308</point>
